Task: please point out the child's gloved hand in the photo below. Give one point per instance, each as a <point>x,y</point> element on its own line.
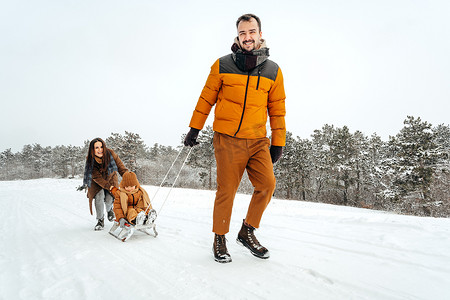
<point>122,222</point>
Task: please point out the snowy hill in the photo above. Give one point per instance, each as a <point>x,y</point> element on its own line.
<point>49,250</point>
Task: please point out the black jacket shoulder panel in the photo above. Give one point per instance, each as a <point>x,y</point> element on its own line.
<point>227,65</point>
<point>269,69</point>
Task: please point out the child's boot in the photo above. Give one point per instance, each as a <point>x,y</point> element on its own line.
<point>140,218</point>
<point>151,217</point>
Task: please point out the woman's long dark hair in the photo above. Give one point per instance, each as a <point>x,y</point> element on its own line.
<point>91,153</point>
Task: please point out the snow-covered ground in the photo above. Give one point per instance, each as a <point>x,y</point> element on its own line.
<point>49,250</point>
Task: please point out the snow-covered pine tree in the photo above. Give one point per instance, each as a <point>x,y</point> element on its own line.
<point>38,160</point>
<point>414,162</point>
<point>73,153</point>
<point>154,152</point>
<point>129,147</point>
<point>441,138</point>
<point>60,161</point>
<point>440,188</point>
<point>294,169</point>
<point>321,157</point>
<point>202,157</point>
<point>155,163</point>
<point>287,178</point>
<point>362,168</point>
<point>27,162</point>
<point>343,155</point>
<point>377,179</point>
<point>8,163</point>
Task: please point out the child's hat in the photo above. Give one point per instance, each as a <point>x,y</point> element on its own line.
<point>129,179</point>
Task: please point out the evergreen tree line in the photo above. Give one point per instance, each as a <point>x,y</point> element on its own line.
<point>409,173</point>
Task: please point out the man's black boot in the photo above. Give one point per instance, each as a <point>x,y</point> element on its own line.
<point>247,238</point>
<point>220,249</point>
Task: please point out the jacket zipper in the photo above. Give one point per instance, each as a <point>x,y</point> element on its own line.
<point>133,199</point>
<point>259,75</point>
<point>245,102</point>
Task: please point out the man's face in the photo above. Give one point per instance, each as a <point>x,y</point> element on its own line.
<point>249,35</point>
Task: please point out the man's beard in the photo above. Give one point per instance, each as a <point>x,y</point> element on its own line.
<point>253,43</point>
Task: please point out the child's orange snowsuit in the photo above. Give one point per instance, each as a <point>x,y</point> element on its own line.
<point>128,204</point>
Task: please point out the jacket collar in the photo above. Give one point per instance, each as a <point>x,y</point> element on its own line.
<point>247,61</point>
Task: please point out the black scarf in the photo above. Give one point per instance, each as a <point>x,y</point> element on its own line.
<point>247,61</point>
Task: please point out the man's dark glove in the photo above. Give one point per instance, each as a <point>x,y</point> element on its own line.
<point>275,153</point>
<point>191,137</point>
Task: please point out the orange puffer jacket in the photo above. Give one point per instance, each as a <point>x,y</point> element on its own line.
<point>134,201</point>
<point>243,100</point>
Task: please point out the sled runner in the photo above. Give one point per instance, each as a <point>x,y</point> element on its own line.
<point>148,224</point>
<point>146,227</point>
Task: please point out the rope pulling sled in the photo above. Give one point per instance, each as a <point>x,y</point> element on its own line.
<point>146,226</point>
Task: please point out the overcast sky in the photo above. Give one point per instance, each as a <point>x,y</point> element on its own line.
<point>74,70</point>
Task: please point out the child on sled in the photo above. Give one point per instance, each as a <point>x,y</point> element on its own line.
<point>132,203</point>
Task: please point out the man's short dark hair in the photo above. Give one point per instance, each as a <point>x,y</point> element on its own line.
<point>248,18</point>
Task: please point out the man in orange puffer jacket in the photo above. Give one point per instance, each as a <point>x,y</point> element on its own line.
<point>246,87</point>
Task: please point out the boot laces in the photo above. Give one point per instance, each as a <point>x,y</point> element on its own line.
<point>221,244</point>
<point>252,239</point>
